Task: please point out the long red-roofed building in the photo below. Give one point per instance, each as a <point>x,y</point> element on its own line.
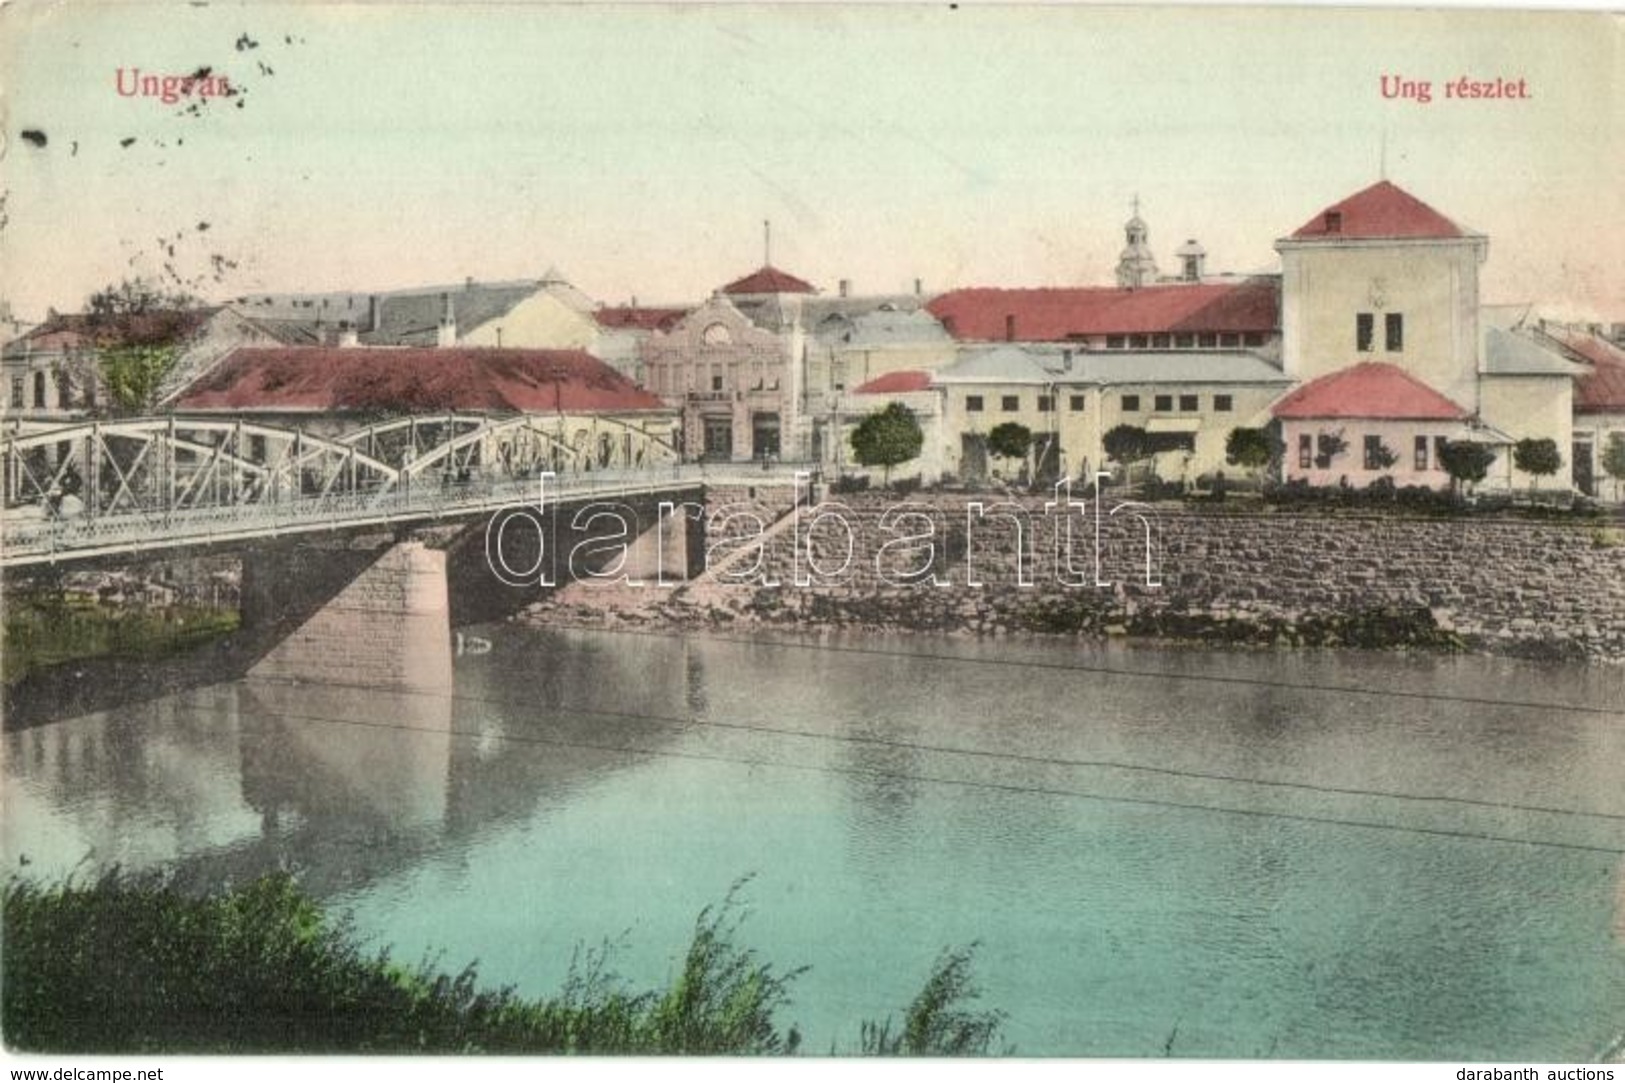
<point>1198,315</point>
<point>412,380</point>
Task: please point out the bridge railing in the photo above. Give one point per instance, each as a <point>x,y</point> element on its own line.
<point>30,538</point>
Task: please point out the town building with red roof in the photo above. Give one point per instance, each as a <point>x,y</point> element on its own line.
<point>1599,404</point>
<point>328,390</point>
<point>332,381</point>
<point>1229,315</point>
<point>54,371</point>
<point>759,369</point>
<point>1368,421</point>
<point>1382,282</point>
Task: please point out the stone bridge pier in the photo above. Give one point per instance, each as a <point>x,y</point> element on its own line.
<point>378,610</point>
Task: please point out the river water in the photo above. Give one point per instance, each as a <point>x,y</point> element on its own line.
<point>1156,851</point>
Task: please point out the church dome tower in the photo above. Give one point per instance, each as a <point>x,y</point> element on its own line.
<point>1136,267</point>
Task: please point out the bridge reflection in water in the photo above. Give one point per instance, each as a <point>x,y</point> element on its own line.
<point>343,784</point>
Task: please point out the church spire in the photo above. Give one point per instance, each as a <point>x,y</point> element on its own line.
<point>1136,267</point>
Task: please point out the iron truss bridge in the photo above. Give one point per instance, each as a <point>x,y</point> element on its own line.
<point>99,488</point>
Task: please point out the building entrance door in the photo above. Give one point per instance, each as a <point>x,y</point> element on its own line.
<point>764,436</point>
<point>973,457</point>
<point>1584,478</point>
<point>719,438</point>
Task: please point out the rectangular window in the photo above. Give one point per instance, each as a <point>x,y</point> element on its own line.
<point>1253,338</point>
<point>1164,402</point>
<point>1160,342</point>
<point>716,383</point>
<point>1222,404</point>
<point>1364,330</point>
<point>973,404</point>
<point>1137,342</point>
<point>1185,341</point>
<point>1046,403</point>
<point>1010,403</point>
<point>1306,451</point>
<point>1076,404</point>
<point>17,392</point>
<point>1438,452</point>
<point>1326,449</point>
<point>1373,453</point>
<point>1115,342</point>
<point>1395,326</point>
<point>1131,404</point>
<point>1229,340</point>
<point>1208,340</point>
<point>1421,453</point>
<point>1189,404</point>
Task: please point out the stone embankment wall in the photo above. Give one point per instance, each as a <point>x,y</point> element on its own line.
<point>1259,575</point>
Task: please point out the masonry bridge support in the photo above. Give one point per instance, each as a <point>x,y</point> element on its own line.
<point>377,610</point>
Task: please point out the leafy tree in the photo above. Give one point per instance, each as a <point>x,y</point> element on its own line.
<point>1126,444</point>
<point>133,372</point>
<point>1010,440</point>
<point>1383,457</point>
<point>136,295</point>
<point>1466,462</point>
<point>1537,458</point>
<point>1251,449</point>
<point>1613,459</point>
<point>138,327</point>
<point>887,438</point>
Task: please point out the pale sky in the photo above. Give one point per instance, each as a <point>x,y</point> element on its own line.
<point>640,148</point>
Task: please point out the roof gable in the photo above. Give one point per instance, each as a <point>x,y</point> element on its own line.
<point>1507,353</point>
<point>1373,391</point>
<point>1383,210</point>
<point>768,279</point>
<point>1602,389</point>
<point>896,383</point>
<point>414,319</point>
<point>633,318</point>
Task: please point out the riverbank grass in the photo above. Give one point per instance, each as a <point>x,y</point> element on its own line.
<point>123,965</point>
<point>43,630</point>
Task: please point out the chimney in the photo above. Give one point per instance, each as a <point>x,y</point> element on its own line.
<point>468,283</point>
<point>919,287</point>
<point>1010,327</point>
<point>347,335</point>
<point>447,333</point>
<point>846,287</point>
<point>375,312</point>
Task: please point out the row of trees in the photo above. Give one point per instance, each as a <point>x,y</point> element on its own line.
<point>893,436</point>
<point>1466,462</point>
